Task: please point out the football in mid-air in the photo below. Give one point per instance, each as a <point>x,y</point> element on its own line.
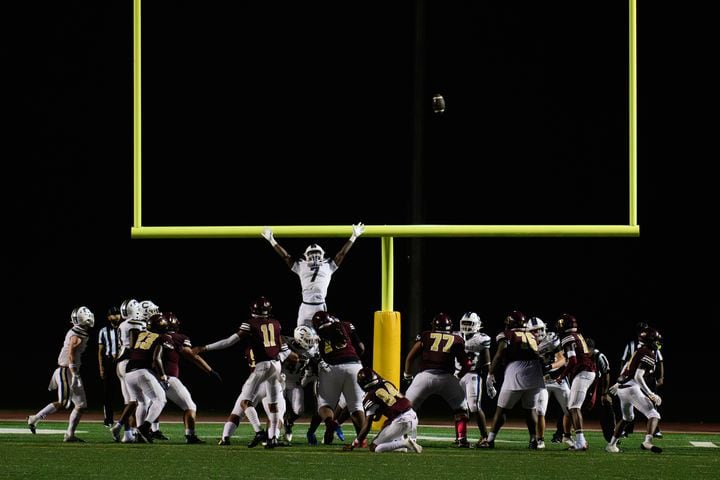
<point>438,103</point>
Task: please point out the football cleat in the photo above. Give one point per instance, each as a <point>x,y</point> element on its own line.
<point>272,443</point>
<point>115,432</point>
<point>413,445</point>
<point>193,439</point>
<point>311,438</point>
<point>224,441</point>
<point>651,447</point>
<point>260,436</point>
<point>32,423</point>
<point>541,444</point>
<point>658,434</point>
<point>484,443</point>
<point>462,443</point>
<point>72,439</point>
<point>612,448</point>
<point>158,435</point>
<point>569,441</point>
<point>578,448</point>
<point>533,445</point>
<point>143,433</point>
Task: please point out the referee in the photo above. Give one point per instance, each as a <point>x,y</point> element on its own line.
<point>108,346</point>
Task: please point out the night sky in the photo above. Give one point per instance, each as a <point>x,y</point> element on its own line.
<point>308,115</point>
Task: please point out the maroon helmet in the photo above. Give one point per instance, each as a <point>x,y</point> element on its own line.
<point>158,323</point>
<point>173,321</point>
<point>442,323</point>
<point>651,338</point>
<point>515,319</point>
<point>565,323</point>
<point>322,319</point>
<point>261,307</point>
<point>367,378</point>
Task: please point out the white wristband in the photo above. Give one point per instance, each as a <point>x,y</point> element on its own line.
<point>352,238</point>
<point>273,242</point>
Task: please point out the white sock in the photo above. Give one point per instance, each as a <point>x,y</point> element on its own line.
<point>390,446</point>
<point>252,417</point>
<point>73,423</point>
<point>48,410</point>
<point>229,429</point>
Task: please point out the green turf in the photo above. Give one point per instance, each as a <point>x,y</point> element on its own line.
<point>45,456</point>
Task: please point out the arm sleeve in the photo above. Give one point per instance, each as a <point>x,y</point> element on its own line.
<point>225,343</point>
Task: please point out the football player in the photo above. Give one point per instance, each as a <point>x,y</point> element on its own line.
<point>314,271</point>
<point>135,317</point>
<point>634,393</point>
<point>66,377</point>
<point>477,347</point>
<point>268,351</point>
<point>145,375</point>
<point>341,351</point>
<point>382,398</point>
<point>176,391</point>
<point>579,370</point>
<point>439,349</point>
<point>518,350</point>
<point>298,371</point>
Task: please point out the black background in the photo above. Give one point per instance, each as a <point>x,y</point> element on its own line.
<point>305,115</point>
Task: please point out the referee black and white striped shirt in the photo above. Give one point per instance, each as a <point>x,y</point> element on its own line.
<point>108,339</point>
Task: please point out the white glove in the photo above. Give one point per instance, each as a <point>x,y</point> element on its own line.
<point>490,386</point>
<point>75,382</point>
<point>655,398</point>
<point>268,235</point>
<point>613,389</point>
<point>323,365</point>
<point>357,231</point>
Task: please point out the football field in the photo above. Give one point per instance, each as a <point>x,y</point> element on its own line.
<point>44,455</point>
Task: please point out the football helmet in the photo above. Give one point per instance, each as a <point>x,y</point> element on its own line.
<point>367,378</point>
<point>147,309</point>
<point>306,337</point>
<point>82,317</point>
<point>261,307</point>
<point>515,319</point>
<point>537,327</point>
<point>173,321</point>
<point>566,323</point>
<point>314,254</point>
<point>130,309</point>
<point>470,323</point>
<point>158,323</point>
<point>651,338</point>
<point>442,323</point>
<point>322,319</point>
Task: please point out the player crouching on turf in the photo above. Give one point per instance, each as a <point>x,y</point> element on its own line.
<point>399,431</point>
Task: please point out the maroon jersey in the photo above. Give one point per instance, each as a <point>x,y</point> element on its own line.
<point>384,398</point>
<point>440,350</point>
<point>265,340</point>
<point>583,356</point>
<point>171,358</point>
<point>643,358</point>
<point>521,345</point>
<point>337,343</point>
<point>142,352</point>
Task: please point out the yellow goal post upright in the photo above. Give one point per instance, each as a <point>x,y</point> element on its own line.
<point>386,336</point>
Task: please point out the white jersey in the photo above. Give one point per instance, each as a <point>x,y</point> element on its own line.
<point>64,357</point>
<point>126,328</point>
<point>314,279</point>
<point>475,343</point>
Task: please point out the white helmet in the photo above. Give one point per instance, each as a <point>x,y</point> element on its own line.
<point>129,309</point>
<point>306,336</point>
<point>314,253</point>
<point>470,323</point>
<point>147,309</point>
<point>537,326</point>
<point>82,317</point>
